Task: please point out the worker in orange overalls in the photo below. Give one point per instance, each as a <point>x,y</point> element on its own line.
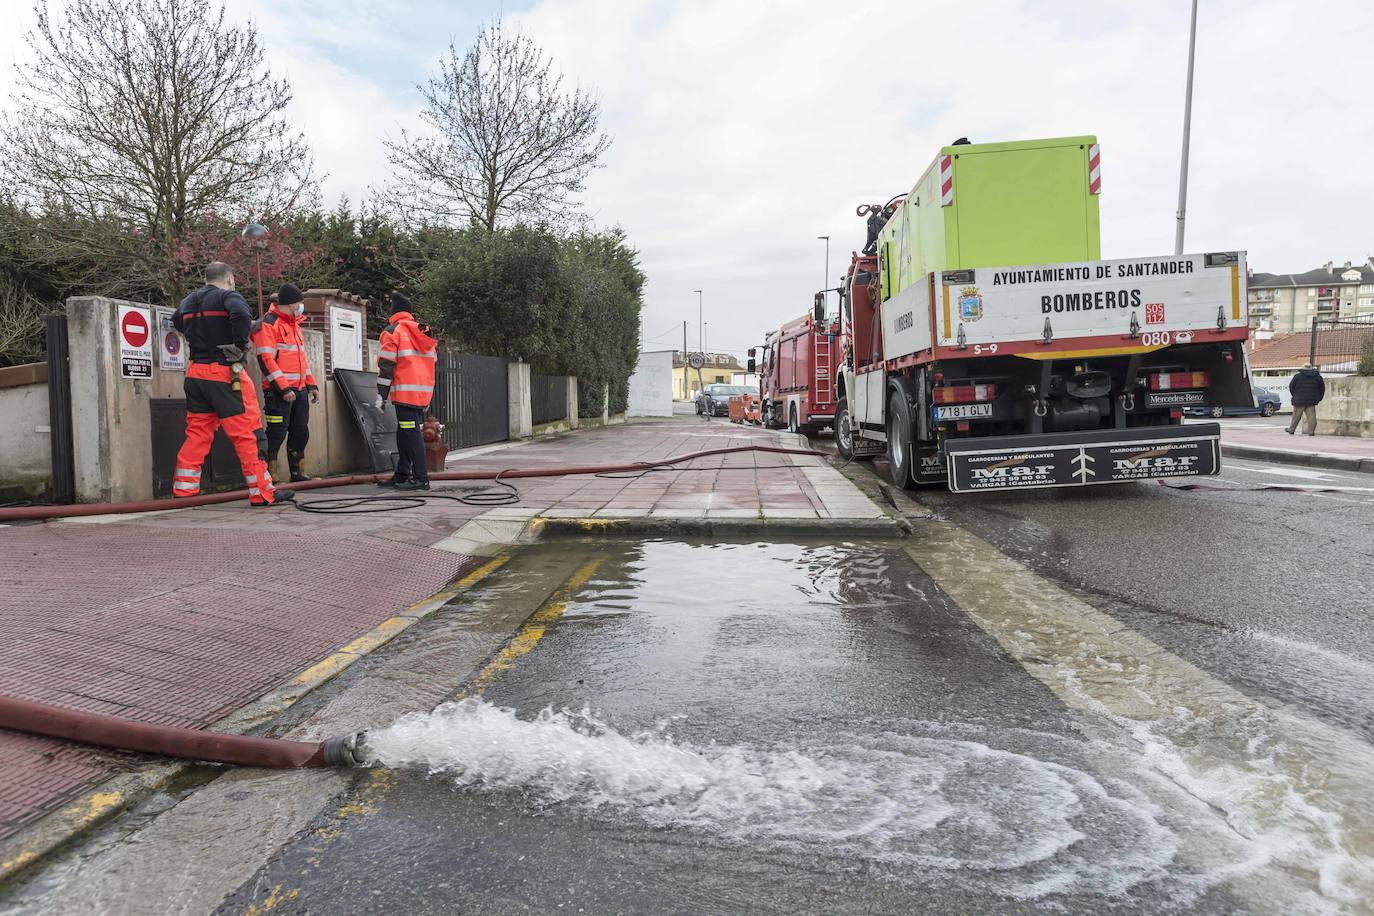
<point>405,374</point>
<point>216,322</point>
<point>288,387</point>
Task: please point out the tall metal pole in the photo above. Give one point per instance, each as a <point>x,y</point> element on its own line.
<point>257,255</point>
<point>1187,130</point>
<point>705,337</point>
<point>684,359</point>
<point>701,331</point>
<point>826,284</point>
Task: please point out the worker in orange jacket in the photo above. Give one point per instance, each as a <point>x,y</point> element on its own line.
<point>405,375</point>
<point>219,394</point>
<point>288,387</point>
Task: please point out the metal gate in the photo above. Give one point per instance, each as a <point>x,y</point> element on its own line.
<point>221,470</point>
<point>1338,344</point>
<point>548,398</point>
<point>471,398</point>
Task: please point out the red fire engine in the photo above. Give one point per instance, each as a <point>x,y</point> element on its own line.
<point>797,373</point>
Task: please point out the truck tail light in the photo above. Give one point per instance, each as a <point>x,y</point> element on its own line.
<point>1095,169</point>
<point>1175,381</point>
<point>963,394</point>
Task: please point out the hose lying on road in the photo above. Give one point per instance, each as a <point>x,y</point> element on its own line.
<point>186,743</point>
<point>22,513</point>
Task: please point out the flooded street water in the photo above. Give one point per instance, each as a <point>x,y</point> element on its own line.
<point>801,727</point>
<point>924,724</point>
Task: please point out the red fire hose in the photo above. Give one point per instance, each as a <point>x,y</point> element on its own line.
<point>21,513</point>
<point>186,743</point>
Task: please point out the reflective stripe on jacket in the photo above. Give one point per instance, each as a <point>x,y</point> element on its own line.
<point>405,364</point>
<point>281,352</point>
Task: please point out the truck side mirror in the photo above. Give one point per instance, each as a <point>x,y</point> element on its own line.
<point>820,307</point>
<point>751,352</point>
<point>752,366</point>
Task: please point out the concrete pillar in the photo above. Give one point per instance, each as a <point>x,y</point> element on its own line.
<point>111,420</point>
<point>521,415</point>
<point>606,405</point>
<point>572,402</point>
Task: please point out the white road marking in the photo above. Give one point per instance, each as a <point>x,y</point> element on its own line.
<point>1291,472</point>
<point>1287,801</point>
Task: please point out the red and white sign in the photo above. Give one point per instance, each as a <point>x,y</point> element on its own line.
<point>946,180</point>
<point>135,342</point>
<point>171,347</point>
<point>1154,313</point>
<point>1095,169</point>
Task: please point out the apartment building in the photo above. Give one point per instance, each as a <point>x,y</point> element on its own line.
<point>1283,303</point>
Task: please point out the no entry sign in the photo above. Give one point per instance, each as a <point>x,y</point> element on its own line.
<point>135,339</point>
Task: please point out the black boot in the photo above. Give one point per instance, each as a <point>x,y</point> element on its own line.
<point>293,461</point>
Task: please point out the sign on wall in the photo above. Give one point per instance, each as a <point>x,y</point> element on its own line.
<point>135,338</point>
<point>171,346</point>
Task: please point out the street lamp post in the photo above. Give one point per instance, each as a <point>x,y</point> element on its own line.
<point>1187,129</point>
<point>826,284</point>
<point>701,325</point>
<point>257,234</point>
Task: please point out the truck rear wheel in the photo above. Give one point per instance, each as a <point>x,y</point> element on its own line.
<point>792,425</point>
<point>844,436</point>
<point>901,457</point>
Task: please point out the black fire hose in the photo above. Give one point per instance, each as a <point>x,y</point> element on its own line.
<point>186,743</point>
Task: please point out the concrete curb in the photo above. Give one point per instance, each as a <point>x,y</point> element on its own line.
<point>34,843</point>
<point>1302,459</point>
<point>660,526</point>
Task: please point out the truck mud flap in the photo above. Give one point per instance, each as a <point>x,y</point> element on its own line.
<point>930,465</point>
<point>1080,459</point>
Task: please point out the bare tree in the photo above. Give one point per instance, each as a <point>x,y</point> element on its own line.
<point>507,136</point>
<point>139,115</point>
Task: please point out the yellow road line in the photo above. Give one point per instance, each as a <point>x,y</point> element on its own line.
<point>533,629</point>
<point>388,629</point>
<point>483,571</point>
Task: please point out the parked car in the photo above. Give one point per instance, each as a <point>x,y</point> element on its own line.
<point>714,400</point>
<point>1267,403</point>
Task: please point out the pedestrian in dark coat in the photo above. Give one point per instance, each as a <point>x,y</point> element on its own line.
<point>1307,389</point>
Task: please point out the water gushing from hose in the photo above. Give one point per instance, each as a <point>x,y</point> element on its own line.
<point>911,804</point>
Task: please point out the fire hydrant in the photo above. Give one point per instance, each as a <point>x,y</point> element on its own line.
<point>436,452</point>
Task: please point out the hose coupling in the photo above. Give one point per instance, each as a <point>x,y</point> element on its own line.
<point>347,751</point>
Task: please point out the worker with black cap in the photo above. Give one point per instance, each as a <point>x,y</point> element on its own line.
<point>405,375</point>
<point>288,387</point>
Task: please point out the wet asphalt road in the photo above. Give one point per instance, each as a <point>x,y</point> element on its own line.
<point>1271,591</point>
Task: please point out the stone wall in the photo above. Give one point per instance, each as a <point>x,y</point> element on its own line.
<point>1348,409</point>
<point>26,445</point>
<point>112,419</point>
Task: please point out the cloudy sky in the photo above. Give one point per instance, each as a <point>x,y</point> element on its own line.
<point>744,130</point>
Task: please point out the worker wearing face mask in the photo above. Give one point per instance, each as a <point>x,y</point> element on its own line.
<point>288,387</point>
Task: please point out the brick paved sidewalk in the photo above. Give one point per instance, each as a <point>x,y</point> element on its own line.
<point>185,616</point>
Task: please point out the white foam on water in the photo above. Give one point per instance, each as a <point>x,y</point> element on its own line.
<point>925,808</point>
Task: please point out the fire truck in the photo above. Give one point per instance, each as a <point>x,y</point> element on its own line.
<point>988,347</point>
<point>797,372</point>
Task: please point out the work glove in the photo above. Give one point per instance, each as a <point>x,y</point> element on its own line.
<point>314,395</point>
<point>289,395</point>
<point>380,403</point>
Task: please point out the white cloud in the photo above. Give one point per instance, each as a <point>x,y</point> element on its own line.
<point>745,129</point>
